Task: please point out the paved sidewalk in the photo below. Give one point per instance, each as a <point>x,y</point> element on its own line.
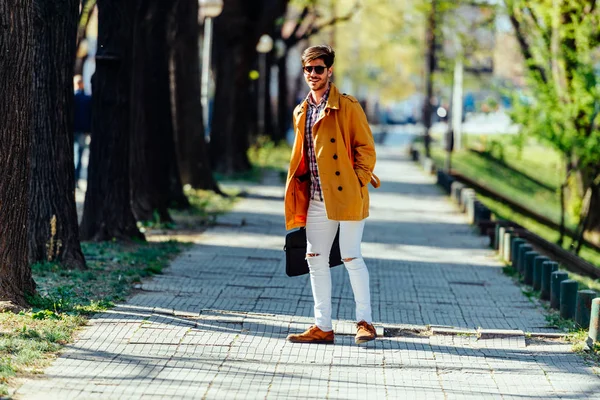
<point>213,326</point>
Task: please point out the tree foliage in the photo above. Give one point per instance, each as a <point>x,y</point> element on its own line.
<point>560,42</point>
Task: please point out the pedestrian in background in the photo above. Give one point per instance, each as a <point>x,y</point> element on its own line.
<point>331,165</point>
<point>82,124</point>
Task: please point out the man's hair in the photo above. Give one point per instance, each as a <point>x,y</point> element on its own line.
<point>322,51</point>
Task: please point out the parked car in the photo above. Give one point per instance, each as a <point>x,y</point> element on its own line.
<point>403,112</point>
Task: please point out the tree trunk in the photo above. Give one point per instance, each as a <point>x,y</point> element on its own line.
<point>192,153</point>
<point>584,217</point>
<point>283,104</point>
<point>229,141</point>
<point>16,109</point>
<point>53,232</point>
<point>237,31</point>
<point>107,211</point>
<point>562,229</point>
<point>590,179</point>
<point>430,36</point>
<point>153,150</point>
<point>563,201</point>
<point>267,106</point>
<point>593,234</point>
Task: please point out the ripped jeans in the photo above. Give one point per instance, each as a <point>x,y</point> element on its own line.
<point>320,233</point>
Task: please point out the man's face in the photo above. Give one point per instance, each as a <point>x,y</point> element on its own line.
<point>315,80</point>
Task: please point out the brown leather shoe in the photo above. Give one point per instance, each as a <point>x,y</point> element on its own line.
<point>312,335</point>
<point>365,332</point>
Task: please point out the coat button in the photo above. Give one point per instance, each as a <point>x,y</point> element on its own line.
<point>337,173</point>
<point>332,140</point>
<point>335,156</point>
<point>340,188</point>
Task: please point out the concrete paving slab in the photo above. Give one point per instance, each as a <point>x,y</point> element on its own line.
<point>213,326</point>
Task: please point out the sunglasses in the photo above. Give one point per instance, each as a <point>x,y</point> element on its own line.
<point>319,69</point>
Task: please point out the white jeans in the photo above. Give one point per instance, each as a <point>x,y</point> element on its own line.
<point>320,233</point>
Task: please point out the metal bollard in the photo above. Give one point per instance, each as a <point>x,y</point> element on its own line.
<point>594,332</point>
<point>500,240</point>
<point>583,310</point>
<point>522,250</point>
<point>528,259</point>
<point>537,271</point>
<point>471,201</point>
<point>456,188</point>
<point>514,250</point>
<point>568,298</point>
<point>465,196</point>
<point>548,267</point>
<point>556,278</point>
<point>507,243</point>
<point>483,213</point>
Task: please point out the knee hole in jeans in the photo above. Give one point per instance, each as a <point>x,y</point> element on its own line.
<point>353,263</point>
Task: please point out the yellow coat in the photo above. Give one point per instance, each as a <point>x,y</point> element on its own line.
<point>345,153</point>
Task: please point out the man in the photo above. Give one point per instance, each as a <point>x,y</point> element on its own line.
<point>82,123</point>
<point>331,165</point>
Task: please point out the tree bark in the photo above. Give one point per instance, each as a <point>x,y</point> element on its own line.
<point>590,220</point>
<point>16,108</point>
<point>284,111</point>
<point>593,234</point>
<point>192,152</point>
<point>53,230</point>
<point>267,106</point>
<point>229,141</point>
<point>107,211</point>
<point>430,36</point>
<point>153,150</point>
<point>237,31</point>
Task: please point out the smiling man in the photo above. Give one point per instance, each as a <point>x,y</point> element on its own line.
<point>331,165</point>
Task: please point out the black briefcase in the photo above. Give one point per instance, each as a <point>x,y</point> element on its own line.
<point>295,252</point>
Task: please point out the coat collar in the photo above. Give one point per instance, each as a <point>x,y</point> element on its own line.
<point>333,101</point>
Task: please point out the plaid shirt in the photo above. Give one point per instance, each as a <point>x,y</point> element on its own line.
<point>312,115</point>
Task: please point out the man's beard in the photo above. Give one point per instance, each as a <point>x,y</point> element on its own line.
<point>320,84</point>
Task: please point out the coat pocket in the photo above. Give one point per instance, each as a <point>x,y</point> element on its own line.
<point>301,196</point>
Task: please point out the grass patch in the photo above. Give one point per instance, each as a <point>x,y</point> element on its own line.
<point>519,186</point>
<point>267,154</point>
<point>525,158</point>
<point>264,156</point>
<point>510,271</point>
<point>521,182</point>
<point>574,334</point>
<point>206,207</point>
<point>66,298</point>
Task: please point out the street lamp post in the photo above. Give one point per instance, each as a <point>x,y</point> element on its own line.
<point>265,45</point>
<point>209,9</point>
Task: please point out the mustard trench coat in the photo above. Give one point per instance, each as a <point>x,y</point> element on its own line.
<point>345,152</point>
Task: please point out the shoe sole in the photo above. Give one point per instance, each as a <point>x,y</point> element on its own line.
<point>363,340</point>
<point>312,341</point>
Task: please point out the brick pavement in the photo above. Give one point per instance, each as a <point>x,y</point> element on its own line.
<point>213,325</point>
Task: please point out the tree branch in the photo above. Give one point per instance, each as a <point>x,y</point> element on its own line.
<point>525,48</point>
<point>84,19</point>
<point>292,40</point>
<point>546,36</point>
<point>299,20</point>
